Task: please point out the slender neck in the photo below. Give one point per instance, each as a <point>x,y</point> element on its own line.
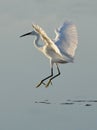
<point>36,42</point>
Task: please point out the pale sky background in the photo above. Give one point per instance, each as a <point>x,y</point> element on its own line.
<point>22,66</point>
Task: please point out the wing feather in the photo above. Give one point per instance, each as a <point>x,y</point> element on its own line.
<point>45,38</point>
<point>66,39</point>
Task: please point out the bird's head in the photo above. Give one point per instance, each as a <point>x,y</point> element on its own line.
<point>30,33</point>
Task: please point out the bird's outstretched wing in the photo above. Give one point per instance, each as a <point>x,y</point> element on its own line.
<point>66,39</point>
<point>45,38</point>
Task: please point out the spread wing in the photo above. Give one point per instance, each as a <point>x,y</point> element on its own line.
<point>45,38</point>
<point>66,39</point>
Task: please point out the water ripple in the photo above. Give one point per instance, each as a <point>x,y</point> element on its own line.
<point>69,102</point>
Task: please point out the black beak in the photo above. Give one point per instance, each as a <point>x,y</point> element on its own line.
<point>26,34</point>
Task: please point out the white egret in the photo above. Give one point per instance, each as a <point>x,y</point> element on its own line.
<point>60,50</point>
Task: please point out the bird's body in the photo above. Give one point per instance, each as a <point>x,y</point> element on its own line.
<point>52,54</point>
<point>60,50</point>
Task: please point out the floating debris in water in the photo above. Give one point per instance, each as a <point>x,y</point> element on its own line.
<point>88,104</point>
<point>83,100</point>
<point>67,103</point>
<point>44,102</point>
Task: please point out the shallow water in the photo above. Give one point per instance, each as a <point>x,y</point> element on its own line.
<point>70,102</point>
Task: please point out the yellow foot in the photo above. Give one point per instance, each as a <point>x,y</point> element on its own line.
<point>41,82</point>
<point>48,83</point>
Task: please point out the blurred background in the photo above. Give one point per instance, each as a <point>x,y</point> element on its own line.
<point>22,67</point>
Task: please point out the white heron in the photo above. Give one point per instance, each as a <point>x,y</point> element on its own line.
<point>60,50</point>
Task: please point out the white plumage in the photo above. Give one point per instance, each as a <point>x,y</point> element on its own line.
<point>60,50</point>
<point>66,39</point>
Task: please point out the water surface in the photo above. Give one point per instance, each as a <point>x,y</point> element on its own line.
<point>71,103</point>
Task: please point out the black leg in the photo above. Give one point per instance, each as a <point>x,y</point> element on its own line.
<point>53,76</point>
<point>42,81</point>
